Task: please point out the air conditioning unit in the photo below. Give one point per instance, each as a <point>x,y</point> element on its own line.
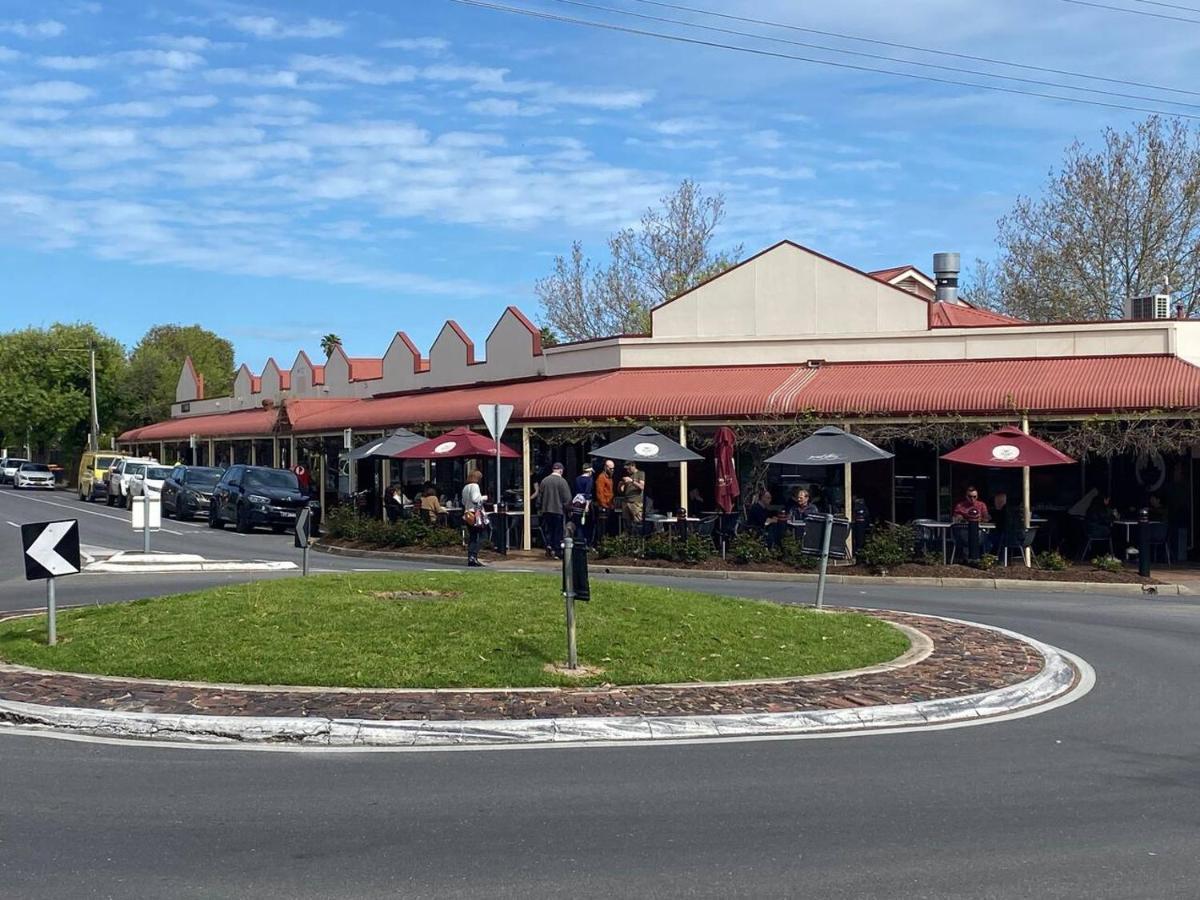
<point>1157,306</point>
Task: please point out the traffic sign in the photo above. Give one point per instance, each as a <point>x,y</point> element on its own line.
<point>146,512</point>
<point>303,528</point>
<point>51,549</point>
<point>495,417</point>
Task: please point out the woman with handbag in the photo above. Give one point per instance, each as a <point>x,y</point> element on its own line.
<point>474,518</point>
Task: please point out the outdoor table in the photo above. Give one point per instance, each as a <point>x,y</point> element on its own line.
<point>1128,525</point>
<point>944,527</point>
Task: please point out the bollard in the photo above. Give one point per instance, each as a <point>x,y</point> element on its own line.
<point>569,595</point>
<point>1143,542</point>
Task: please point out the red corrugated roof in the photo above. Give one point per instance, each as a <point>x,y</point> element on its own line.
<point>886,275</point>
<point>243,422</point>
<point>950,315</point>
<point>1076,384</point>
<point>950,387</point>
<point>365,368</point>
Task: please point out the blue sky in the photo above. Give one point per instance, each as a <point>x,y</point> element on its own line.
<point>278,172</point>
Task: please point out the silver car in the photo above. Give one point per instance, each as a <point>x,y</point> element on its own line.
<point>33,475</point>
<point>8,468</point>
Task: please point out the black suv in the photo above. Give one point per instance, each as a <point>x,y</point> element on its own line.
<point>256,495</point>
<point>188,491</point>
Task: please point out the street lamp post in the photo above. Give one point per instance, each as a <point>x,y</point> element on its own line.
<point>94,434</point>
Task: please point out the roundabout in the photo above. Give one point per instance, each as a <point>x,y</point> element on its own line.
<point>440,660</point>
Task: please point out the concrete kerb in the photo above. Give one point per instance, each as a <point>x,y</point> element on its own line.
<point>986,584</point>
<point>1054,684</point>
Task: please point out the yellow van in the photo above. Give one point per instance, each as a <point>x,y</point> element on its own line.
<point>92,469</point>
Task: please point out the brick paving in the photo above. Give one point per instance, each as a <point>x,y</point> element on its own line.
<point>965,660</point>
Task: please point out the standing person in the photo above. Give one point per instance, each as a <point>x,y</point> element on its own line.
<point>584,482</point>
<point>554,495</point>
<point>583,505</point>
<point>603,489</point>
<point>633,492</point>
<point>474,518</point>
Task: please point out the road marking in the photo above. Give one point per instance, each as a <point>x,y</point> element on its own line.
<point>92,512</point>
<point>14,524</point>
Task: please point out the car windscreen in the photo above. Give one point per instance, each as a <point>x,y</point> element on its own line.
<point>135,468</point>
<point>35,467</point>
<point>203,477</point>
<point>14,463</point>
<point>271,479</point>
<point>158,473</point>
<point>105,462</point>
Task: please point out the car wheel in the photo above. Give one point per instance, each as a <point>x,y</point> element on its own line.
<point>110,499</point>
<point>242,525</point>
<point>214,519</point>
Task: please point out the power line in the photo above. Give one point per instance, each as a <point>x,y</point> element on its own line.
<point>1169,5</point>
<point>1132,12</point>
<point>774,54</point>
<point>899,46</point>
<point>877,56</point>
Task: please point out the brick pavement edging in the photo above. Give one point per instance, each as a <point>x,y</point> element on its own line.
<point>972,673</point>
<point>984,584</point>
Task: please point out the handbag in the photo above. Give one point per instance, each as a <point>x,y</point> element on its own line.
<point>469,518</point>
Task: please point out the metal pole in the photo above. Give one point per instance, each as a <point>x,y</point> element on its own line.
<point>824,559</point>
<point>526,490</point>
<point>51,614</point>
<point>146,523</point>
<point>95,436</point>
<point>569,581</point>
<point>683,473</point>
<point>304,560</point>
<point>1027,514</point>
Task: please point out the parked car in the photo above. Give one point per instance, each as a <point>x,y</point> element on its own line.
<point>93,468</point>
<point>188,490</point>
<point>33,475</point>
<point>8,468</point>
<point>119,478</point>
<point>249,496</point>
<point>149,482</point>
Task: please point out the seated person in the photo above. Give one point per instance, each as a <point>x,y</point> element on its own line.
<point>971,508</point>
<point>431,506</point>
<point>759,511</point>
<point>800,505</point>
<point>394,502</point>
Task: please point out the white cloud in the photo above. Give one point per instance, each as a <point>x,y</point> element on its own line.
<point>70,63</point>
<point>272,104</point>
<point>178,136</point>
<point>7,54</point>
<point>353,68</point>
<point>494,106</point>
<point>795,173</point>
<point>495,80</point>
<point>190,43</point>
<point>685,125</point>
<point>34,113</point>
<point>49,92</point>
<point>865,165</point>
<point>179,60</point>
<point>420,44</point>
<point>270,27</point>
<point>766,139</point>
<point>47,28</point>
<point>134,109</point>
<point>253,77</point>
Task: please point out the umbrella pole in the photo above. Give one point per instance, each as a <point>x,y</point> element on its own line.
<point>1028,513</point>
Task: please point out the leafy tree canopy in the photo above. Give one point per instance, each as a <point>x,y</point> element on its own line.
<point>155,363</point>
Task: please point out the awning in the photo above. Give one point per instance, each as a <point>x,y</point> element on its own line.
<point>387,447</point>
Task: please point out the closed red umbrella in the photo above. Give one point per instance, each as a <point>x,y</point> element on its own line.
<point>1008,448</point>
<point>727,482</point>
<point>457,444</point>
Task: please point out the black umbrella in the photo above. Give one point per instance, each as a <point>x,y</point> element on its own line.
<point>388,446</point>
<point>647,445</point>
<point>829,446</point>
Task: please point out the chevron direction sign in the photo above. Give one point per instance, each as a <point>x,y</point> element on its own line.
<point>51,549</point>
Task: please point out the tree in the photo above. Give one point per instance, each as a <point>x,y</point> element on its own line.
<point>154,368</point>
<point>45,393</point>
<point>1111,224</point>
<point>328,343</point>
<point>669,252</point>
<point>549,338</point>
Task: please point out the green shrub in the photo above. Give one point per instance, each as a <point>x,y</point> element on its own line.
<point>1107,563</point>
<point>693,549</point>
<point>888,547</point>
<point>749,548</point>
<point>620,546</point>
<point>1051,560</point>
<point>987,561</point>
<point>790,554</point>
<point>343,524</point>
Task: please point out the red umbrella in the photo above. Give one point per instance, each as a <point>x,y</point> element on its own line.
<point>457,444</point>
<point>727,482</point>
<point>1008,448</point>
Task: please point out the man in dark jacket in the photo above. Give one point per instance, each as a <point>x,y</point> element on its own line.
<point>554,495</point>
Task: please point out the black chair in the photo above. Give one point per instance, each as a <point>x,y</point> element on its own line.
<point>1156,536</point>
<point>1096,533</point>
<point>707,527</point>
<point>1019,541</point>
<point>959,540</point>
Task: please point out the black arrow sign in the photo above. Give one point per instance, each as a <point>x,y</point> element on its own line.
<point>51,549</point>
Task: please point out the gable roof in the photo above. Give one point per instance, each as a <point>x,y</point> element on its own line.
<point>950,315</point>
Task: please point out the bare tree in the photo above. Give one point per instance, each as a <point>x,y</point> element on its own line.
<point>980,285</point>
<point>1111,224</point>
<point>668,253</point>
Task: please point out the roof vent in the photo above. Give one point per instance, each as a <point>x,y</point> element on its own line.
<point>1154,306</point>
<point>816,363</point>
<point>945,274</point>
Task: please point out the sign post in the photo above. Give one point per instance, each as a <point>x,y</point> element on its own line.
<point>825,536</point>
<point>495,417</point>
<point>51,549</point>
<point>147,514</point>
<point>303,536</point>
<point>569,593</point>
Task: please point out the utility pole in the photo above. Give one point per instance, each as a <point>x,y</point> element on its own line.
<point>94,432</point>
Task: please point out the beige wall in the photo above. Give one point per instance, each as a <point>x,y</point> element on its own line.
<point>186,388</point>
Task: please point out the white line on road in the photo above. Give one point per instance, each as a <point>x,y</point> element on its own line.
<point>90,512</point>
<point>14,524</point>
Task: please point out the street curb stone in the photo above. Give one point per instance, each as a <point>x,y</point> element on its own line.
<point>1057,677</point>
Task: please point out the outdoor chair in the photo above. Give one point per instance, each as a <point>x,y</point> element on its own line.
<point>929,539</point>
<point>707,527</point>
<point>959,540</point>
<point>1156,536</point>
<point>1019,541</point>
<point>1096,533</point>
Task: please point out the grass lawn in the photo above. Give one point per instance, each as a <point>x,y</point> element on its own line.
<point>492,630</point>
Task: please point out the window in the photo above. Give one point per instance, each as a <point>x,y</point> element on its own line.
<point>105,462</point>
<point>202,477</point>
<point>272,479</point>
<point>157,473</point>
<point>35,467</point>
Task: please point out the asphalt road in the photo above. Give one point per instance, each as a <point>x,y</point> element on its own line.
<point>1098,799</point>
